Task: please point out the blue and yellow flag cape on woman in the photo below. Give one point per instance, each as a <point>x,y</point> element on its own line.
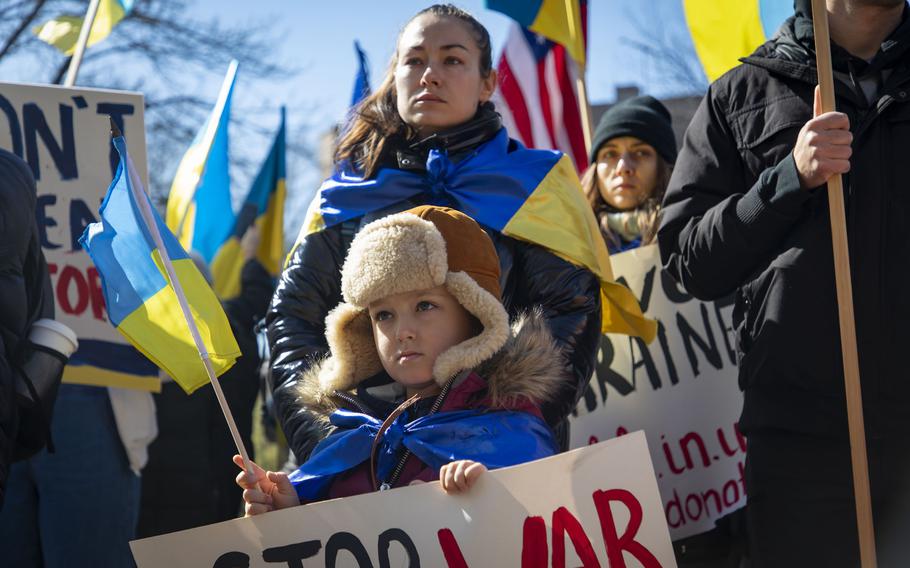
<point>140,301</point>
<point>531,195</point>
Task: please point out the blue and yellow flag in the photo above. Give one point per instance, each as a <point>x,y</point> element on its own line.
<point>557,20</point>
<point>63,32</point>
<point>264,208</point>
<point>531,195</point>
<point>362,80</point>
<point>199,208</point>
<point>724,30</point>
<point>141,302</point>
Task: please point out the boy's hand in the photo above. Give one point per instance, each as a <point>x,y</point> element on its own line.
<point>459,476</point>
<point>274,490</point>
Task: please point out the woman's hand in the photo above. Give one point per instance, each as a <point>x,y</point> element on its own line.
<point>266,491</point>
<point>459,476</point>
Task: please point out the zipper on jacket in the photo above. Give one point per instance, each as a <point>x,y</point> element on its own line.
<point>396,473</point>
<point>353,401</point>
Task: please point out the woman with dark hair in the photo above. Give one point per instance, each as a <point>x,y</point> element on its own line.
<point>429,135</point>
<point>631,161</point>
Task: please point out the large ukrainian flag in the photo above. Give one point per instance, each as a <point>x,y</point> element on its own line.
<point>531,195</point>
<point>724,30</point>
<point>199,208</point>
<point>264,208</point>
<point>141,302</point>
<point>63,32</point>
<point>557,20</point>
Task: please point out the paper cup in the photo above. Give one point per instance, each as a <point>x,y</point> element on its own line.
<point>54,335</point>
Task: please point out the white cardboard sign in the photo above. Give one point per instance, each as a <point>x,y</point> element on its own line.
<point>596,506</point>
<point>64,136</point>
<point>681,390</point>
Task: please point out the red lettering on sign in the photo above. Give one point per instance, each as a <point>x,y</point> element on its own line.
<point>76,291</point>
<point>450,549</point>
<point>565,523</point>
<point>71,277</point>
<point>614,543</point>
<point>534,551</point>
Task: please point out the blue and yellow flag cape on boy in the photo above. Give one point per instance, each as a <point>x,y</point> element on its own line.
<point>495,439</point>
<point>531,195</point>
<point>140,301</point>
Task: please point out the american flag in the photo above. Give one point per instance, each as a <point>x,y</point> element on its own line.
<point>537,97</point>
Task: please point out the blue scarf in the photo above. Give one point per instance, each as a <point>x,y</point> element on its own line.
<point>495,439</point>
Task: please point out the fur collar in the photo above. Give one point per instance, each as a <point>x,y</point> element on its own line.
<point>529,365</point>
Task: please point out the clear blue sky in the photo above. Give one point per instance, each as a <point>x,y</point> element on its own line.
<point>319,36</point>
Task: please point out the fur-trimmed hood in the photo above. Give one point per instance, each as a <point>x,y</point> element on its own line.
<point>529,367</point>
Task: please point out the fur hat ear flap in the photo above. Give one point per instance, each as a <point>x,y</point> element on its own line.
<point>353,355</point>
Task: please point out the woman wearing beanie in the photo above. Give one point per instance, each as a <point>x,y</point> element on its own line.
<point>430,136</point>
<point>632,157</point>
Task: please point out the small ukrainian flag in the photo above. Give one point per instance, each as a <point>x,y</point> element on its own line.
<point>141,302</point>
<point>63,31</point>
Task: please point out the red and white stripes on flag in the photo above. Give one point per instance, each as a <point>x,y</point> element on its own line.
<point>537,97</point>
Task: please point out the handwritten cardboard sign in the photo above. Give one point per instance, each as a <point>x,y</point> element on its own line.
<point>64,135</point>
<point>596,506</point>
<point>681,390</point>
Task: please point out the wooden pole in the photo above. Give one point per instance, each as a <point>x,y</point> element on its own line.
<point>81,44</point>
<point>585,110</point>
<point>845,305</point>
<point>575,24</point>
<point>139,196</point>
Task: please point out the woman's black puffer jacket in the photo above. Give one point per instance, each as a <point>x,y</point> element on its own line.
<point>310,287</point>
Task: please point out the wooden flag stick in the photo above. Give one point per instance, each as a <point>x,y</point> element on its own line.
<point>81,43</point>
<point>585,109</point>
<point>145,210</point>
<point>845,305</point>
<point>572,12</point>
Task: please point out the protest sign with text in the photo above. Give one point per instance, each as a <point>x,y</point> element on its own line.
<point>64,136</point>
<point>681,390</point>
<point>596,506</point>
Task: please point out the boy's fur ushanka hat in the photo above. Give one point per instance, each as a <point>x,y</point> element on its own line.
<point>418,249</point>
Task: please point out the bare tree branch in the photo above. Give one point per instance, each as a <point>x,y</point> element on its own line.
<point>162,52</point>
<point>23,25</point>
<point>669,54</point>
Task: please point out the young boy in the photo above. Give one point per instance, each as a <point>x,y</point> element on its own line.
<point>421,307</point>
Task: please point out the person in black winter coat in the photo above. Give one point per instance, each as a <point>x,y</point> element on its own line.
<point>747,212</point>
<point>25,292</point>
<point>439,99</point>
